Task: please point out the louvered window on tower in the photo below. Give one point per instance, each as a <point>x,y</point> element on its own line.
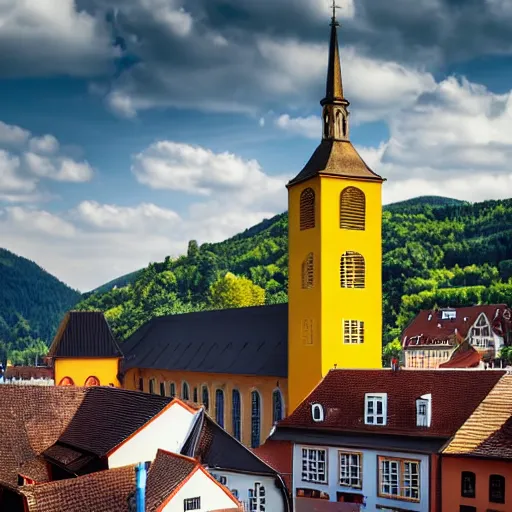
<point>352,270</point>
<point>308,271</point>
<point>353,331</point>
<point>352,209</point>
<point>307,209</point>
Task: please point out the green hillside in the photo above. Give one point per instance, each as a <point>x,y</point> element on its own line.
<point>437,251</point>
<point>32,304</point>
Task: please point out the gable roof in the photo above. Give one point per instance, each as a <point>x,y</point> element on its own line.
<point>342,396</point>
<point>430,327</point>
<point>165,475</point>
<point>488,431</point>
<point>336,158</point>
<point>104,491</point>
<point>106,417</point>
<point>245,341</point>
<point>33,418</point>
<point>214,447</point>
<point>84,334</point>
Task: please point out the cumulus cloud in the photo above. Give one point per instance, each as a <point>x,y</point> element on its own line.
<point>307,126</point>
<point>12,135</point>
<point>43,37</point>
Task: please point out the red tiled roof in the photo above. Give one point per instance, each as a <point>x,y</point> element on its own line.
<point>438,329</point>
<point>469,358</point>
<point>104,491</point>
<point>28,372</point>
<point>279,456</point>
<point>455,395</point>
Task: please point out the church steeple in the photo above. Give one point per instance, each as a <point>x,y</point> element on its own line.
<point>335,106</point>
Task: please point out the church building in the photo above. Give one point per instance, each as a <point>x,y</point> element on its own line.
<point>250,367</point>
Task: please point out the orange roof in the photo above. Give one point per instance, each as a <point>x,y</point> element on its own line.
<point>468,358</point>
<point>488,431</point>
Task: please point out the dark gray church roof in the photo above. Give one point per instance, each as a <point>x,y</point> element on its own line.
<point>244,341</point>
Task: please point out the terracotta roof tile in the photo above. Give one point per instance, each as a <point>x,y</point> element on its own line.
<point>488,431</point>
<point>166,473</point>
<point>430,326</point>
<point>36,469</point>
<point>279,456</point>
<point>468,358</point>
<point>342,395</point>
<point>104,491</point>
<point>33,417</point>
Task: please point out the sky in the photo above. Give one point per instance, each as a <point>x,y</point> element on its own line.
<point>129,127</point>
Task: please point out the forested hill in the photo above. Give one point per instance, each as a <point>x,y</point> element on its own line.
<point>437,251</point>
<point>32,304</point>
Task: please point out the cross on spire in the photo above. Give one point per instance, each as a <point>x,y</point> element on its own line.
<point>334,7</point>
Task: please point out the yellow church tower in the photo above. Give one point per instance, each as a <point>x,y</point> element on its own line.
<point>335,252</point>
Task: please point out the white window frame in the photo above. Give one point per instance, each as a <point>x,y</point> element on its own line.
<point>372,399</point>
<point>317,408</point>
<point>257,498</point>
<point>311,465</point>
<point>355,335</point>
<point>424,411</point>
<point>346,464</point>
<point>476,337</point>
<point>400,476</point>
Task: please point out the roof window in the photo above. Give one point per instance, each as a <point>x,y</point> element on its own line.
<point>375,408</point>
<point>424,411</point>
<point>448,314</point>
<point>317,412</point>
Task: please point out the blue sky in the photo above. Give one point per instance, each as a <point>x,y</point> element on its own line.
<point>129,127</point>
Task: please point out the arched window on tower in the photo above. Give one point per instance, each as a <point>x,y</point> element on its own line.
<point>172,389</point>
<point>326,125</point>
<point>344,124</point>
<point>277,406</point>
<point>308,271</point>
<point>352,270</point>
<point>92,381</point>
<point>219,407</point>
<point>206,398</point>
<point>185,392</point>
<point>339,124</point>
<point>307,209</point>
<point>255,419</point>
<point>236,415</point>
<point>352,209</point>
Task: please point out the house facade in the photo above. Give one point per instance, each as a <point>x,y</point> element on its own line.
<point>371,439</point>
<point>434,337</point>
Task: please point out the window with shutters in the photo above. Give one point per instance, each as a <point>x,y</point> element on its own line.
<point>308,271</point>
<point>255,419</point>
<point>352,209</point>
<point>236,415</point>
<point>352,270</point>
<point>353,331</point>
<point>219,407</point>
<point>307,209</point>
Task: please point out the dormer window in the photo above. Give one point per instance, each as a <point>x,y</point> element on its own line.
<point>375,408</point>
<point>447,315</point>
<point>317,412</point>
<point>424,411</point>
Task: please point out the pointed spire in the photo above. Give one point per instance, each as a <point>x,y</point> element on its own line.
<point>334,86</point>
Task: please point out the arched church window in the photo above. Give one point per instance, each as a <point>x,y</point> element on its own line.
<point>277,406</point>
<point>219,407</point>
<point>352,209</point>
<point>338,124</point>
<point>308,271</point>
<point>185,392</point>
<point>196,399</point>
<point>344,124</point>
<point>162,388</point>
<point>66,381</point>
<point>307,209</point>
<point>352,270</point>
<point>92,381</point>
<point>326,126</point>
<point>152,383</point>
<point>206,398</point>
<point>255,419</point>
<point>236,415</point>
<point>172,389</point>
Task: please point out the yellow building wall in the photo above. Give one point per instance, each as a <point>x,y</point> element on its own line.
<point>327,304</point>
<point>245,385</point>
<point>80,369</point>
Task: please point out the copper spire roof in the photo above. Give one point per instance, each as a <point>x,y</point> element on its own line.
<point>334,87</point>
<point>335,156</point>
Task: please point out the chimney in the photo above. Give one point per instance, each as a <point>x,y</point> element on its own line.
<point>140,490</point>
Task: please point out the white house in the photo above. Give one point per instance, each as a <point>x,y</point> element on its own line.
<point>370,439</point>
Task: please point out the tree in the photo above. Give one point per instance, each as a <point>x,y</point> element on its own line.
<point>391,350</point>
<point>232,291</point>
